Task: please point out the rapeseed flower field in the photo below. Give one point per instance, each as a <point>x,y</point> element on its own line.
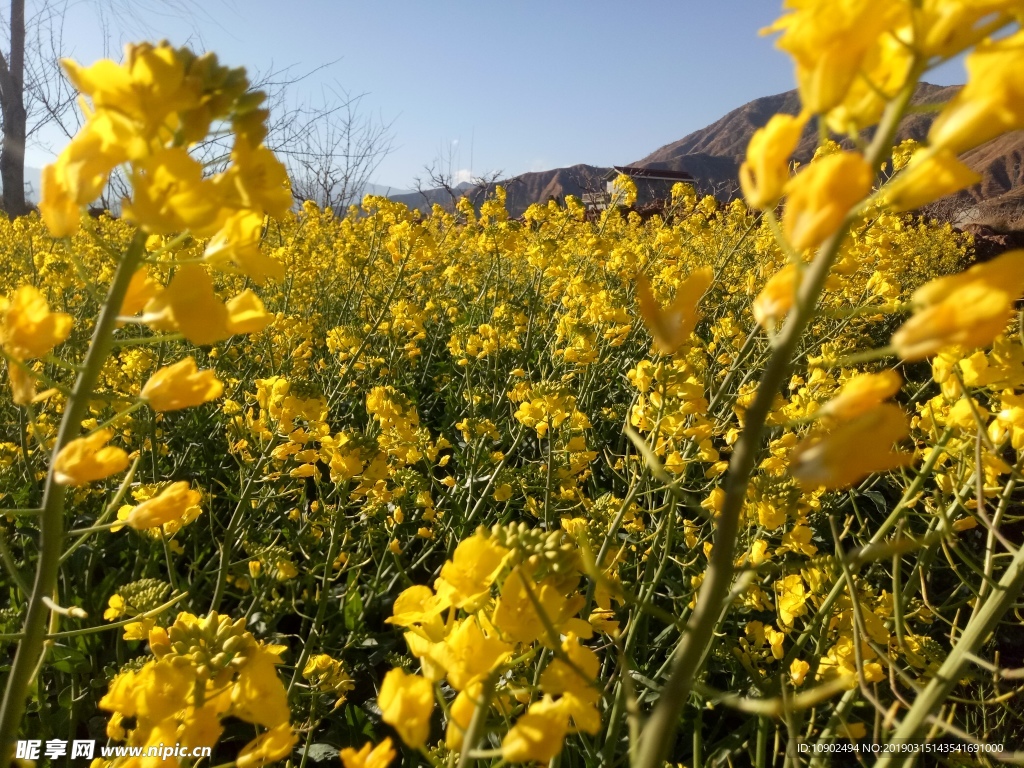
<point>731,484</point>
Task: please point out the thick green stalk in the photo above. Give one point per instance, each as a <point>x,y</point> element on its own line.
<point>688,656</point>
<point>51,519</point>
<point>927,703</point>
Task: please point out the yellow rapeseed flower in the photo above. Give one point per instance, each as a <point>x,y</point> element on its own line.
<point>238,241</point>
<point>258,695</point>
<point>370,756</point>
<point>820,196</point>
<point>967,310</point>
<point>170,504</point>
<point>88,459</point>
<point>672,327</point>
<point>170,194</point>
<point>28,329</point>
<point>934,175</point>
<point>860,394</point>
<point>469,653</point>
<point>776,298</point>
<point>181,385</point>
<point>189,305</point>
<point>466,579</point>
<point>763,175</point>
<point>829,40</point>
<point>460,714</point>
<point>798,671</point>
<point>269,747</point>
<point>537,736</point>
<point>792,598</point>
<point>406,703</point>
<point>990,104</point>
<point>847,454</point>
<point>141,289</point>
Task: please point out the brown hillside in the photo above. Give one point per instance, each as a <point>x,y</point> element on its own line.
<point>998,202</point>
<point>713,155</point>
<point>521,191</point>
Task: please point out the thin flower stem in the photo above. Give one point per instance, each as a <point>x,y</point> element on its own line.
<point>476,723</point>
<point>146,340</point>
<point>51,538</point>
<point>942,683</point>
<point>12,567</point>
<point>118,416</point>
<point>114,504</point>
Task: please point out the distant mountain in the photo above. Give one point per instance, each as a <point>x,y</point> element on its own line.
<point>33,183</point>
<point>521,191</point>
<point>383,190</point>
<point>713,156</point>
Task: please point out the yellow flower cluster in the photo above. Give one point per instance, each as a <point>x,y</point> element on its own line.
<point>204,671</point>
<point>493,607</point>
<point>533,415</point>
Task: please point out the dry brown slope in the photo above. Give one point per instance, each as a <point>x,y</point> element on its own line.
<point>713,155</point>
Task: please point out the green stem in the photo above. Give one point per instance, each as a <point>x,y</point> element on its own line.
<point>913,727</point>
<point>476,723</point>
<point>51,536</point>
<point>660,732</point>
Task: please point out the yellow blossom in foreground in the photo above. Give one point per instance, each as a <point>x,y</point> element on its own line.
<point>537,736</point>
<point>820,196</point>
<point>792,598</point>
<point>672,327</point>
<point>829,40</point>
<point>925,180</point>
<point>189,305</point>
<point>406,703</point>
<point>798,671</point>
<point>1011,418</point>
<point>776,298</point>
<point>171,195</point>
<point>171,504</point>
<point>141,289</point>
<point>369,756</point>
<point>238,241</point>
<point>181,386</point>
<point>967,310</point>
<point>862,393</point>
<point>764,173</point>
<point>466,578</point>
<point>841,457</point>
<point>460,714</point>
<point>77,178</point>
<point>88,459</point>
<point>258,695</point>
<point>269,747</point>
<point>469,653</point>
<point>990,104</point>
<point>23,383</point>
<point>246,314</point>
<point>28,328</point>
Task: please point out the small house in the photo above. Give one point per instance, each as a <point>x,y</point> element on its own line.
<point>652,184</point>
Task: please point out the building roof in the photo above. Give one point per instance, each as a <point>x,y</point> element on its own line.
<point>638,172</point>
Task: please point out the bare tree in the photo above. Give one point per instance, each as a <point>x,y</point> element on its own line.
<point>332,149</point>
<point>12,109</point>
<point>438,185</point>
<point>34,92</point>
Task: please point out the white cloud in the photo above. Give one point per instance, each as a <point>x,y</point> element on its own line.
<point>463,174</point>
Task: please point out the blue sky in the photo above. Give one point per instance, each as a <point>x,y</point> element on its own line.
<point>511,86</point>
